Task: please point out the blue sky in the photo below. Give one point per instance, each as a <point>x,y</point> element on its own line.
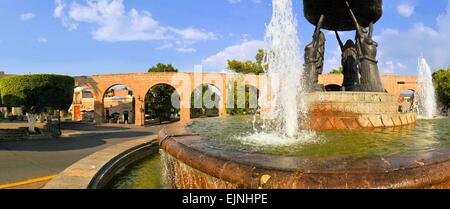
<point>79,37</point>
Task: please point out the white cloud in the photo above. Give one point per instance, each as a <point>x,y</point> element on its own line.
<point>59,9</point>
<point>405,10</point>
<point>244,51</point>
<point>405,46</point>
<point>113,23</point>
<point>192,34</point>
<point>400,49</point>
<point>244,37</point>
<point>186,50</point>
<point>27,16</point>
<point>165,46</point>
<point>65,20</point>
<point>42,40</point>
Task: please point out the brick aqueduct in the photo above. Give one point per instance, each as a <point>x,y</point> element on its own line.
<point>186,83</point>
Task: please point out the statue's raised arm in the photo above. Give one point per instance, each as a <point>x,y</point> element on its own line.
<point>370,30</point>
<point>359,29</point>
<point>319,25</point>
<point>317,31</point>
<point>341,44</point>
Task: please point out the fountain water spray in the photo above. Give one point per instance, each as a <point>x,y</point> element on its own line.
<point>425,96</point>
<point>288,107</point>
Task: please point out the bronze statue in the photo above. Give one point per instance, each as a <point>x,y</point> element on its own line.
<point>314,59</point>
<point>359,58</point>
<point>350,64</point>
<point>367,50</point>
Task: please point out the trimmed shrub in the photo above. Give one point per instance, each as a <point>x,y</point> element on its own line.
<point>36,93</point>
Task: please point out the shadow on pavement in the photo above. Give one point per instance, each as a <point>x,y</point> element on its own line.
<point>91,127</point>
<point>74,142</point>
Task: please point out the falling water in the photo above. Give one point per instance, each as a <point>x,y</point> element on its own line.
<point>425,96</point>
<point>287,104</point>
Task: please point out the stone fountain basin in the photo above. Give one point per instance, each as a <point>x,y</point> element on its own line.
<point>356,110</point>
<point>192,162</point>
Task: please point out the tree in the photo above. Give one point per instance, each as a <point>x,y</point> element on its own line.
<point>199,107</point>
<point>159,99</point>
<point>247,67</point>
<point>251,94</point>
<point>161,68</point>
<point>260,57</point>
<point>159,102</point>
<point>37,94</point>
<point>441,79</point>
<point>337,71</point>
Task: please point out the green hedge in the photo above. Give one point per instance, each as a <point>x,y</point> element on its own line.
<point>36,93</point>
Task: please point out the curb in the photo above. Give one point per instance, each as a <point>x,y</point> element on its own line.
<point>92,171</point>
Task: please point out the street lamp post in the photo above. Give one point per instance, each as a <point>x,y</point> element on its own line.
<point>142,111</point>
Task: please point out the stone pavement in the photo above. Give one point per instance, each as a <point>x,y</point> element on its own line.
<point>24,160</point>
<point>13,125</point>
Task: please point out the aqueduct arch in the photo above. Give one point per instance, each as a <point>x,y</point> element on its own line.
<point>185,84</point>
<point>119,99</point>
<point>146,109</point>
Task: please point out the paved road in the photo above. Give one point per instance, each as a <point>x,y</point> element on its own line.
<point>23,160</point>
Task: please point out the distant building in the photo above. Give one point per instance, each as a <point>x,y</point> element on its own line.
<point>82,108</point>
<point>118,105</point>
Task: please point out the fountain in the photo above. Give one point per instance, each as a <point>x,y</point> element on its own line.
<point>284,72</point>
<point>425,96</point>
<point>309,138</point>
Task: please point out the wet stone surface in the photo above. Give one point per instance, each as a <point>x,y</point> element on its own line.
<point>205,164</point>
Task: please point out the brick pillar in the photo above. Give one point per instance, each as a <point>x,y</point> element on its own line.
<point>98,111</point>
<point>222,112</point>
<point>185,115</point>
<point>223,101</point>
<point>185,106</point>
<point>139,113</point>
<point>223,87</point>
